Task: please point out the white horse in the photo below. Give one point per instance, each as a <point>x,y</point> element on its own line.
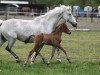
<point>13,29</point>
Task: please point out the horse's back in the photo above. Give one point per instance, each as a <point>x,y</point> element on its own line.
<point>19,28</point>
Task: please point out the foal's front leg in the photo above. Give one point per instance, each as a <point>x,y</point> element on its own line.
<point>29,55</point>
<point>52,54</point>
<point>60,47</point>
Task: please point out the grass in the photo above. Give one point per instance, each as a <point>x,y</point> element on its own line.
<point>83,47</point>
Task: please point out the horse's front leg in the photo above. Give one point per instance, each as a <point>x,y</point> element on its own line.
<point>8,48</point>
<point>52,54</point>
<point>58,54</point>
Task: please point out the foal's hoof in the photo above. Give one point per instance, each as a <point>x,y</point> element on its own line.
<point>69,61</point>
<point>24,64</point>
<point>31,63</point>
<point>18,61</point>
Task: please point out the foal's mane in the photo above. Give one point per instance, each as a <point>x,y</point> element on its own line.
<point>58,27</point>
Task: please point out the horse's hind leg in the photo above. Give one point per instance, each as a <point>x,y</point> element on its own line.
<point>11,42</point>
<point>58,55</point>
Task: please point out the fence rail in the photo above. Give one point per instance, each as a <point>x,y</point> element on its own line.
<point>86,21</point>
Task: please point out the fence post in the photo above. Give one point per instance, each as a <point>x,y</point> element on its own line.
<point>6,12</point>
<point>76,12</point>
<point>92,15</point>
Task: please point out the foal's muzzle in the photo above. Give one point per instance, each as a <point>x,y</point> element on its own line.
<point>69,33</point>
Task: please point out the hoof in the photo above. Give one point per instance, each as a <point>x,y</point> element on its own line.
<point>18,61</point>
<point>48,64</point>
<point>44,62</point>
<point>25,64</point>
<point>31,63</point>
<point>69,61</point>
<point>58,60</point>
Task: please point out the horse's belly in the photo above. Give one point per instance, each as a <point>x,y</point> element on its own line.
<point>25,34</point>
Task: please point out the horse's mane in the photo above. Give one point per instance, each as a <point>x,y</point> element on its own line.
<point>50,13</point>
<point>54,11</point>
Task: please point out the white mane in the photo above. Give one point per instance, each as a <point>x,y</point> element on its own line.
<point>52,12</point>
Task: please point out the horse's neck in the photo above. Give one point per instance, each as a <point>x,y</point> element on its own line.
<point>50,20</point>
<point>53,19</point>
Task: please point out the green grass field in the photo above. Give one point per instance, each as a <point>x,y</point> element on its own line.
<point>83,47</point>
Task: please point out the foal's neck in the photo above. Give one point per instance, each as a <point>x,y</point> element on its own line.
<point>58,32</point>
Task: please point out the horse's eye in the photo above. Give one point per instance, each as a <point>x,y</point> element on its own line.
<point>69,14</point>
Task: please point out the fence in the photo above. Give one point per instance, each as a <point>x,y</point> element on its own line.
<point>91,22</point>
<point>80,44</point>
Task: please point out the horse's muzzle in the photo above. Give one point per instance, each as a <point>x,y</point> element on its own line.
<point>74,24</point>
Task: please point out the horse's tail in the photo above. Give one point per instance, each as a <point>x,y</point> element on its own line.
<point>1,21</point>
<point>2,38</point>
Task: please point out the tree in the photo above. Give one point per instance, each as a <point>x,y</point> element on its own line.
<point>81,3</point>
<point>48,2</point>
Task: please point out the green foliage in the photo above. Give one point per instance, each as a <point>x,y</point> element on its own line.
<point>82,46</point>
<point>66,2</point>
<point>75,68</point>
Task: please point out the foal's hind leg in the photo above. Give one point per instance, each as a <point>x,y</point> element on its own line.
<point>11,42</point>
<point>38,53</point>
<point>35,49</point>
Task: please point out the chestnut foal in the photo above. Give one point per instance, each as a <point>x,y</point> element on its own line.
<point>53,39</point>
